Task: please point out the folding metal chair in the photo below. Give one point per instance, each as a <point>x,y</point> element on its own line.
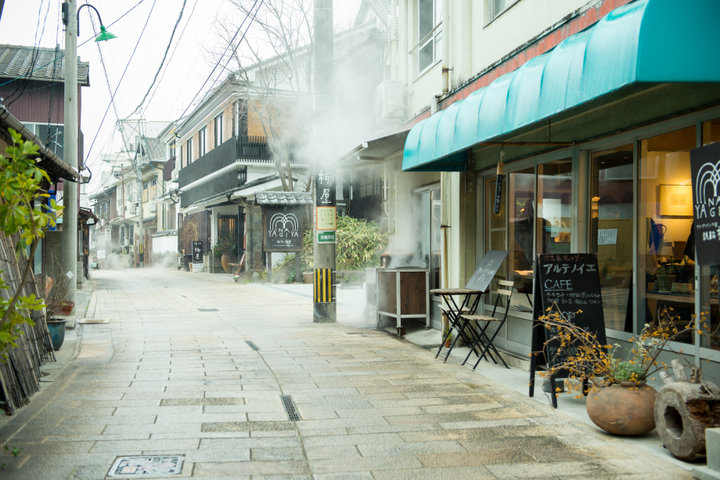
<point>481,325</point>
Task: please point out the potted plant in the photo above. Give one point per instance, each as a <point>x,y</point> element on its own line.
<point>618,398</point>
<point>56,307</point>
<point>665,277</point>
<point>224,250</point>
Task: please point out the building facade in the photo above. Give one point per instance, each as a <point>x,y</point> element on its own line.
<point>590,110</point>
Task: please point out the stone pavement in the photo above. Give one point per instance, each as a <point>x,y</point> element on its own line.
<point>196,366</point>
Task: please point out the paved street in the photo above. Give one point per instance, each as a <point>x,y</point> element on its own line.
<point>196,366</point>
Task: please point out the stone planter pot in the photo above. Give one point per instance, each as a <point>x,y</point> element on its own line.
<point>66,308</point>
<point>626,409</point>
<point>225,260</point>
<point>56,327</point>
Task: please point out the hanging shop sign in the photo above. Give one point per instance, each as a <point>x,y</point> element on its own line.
<point>283,229</point>
<point>705,166</point>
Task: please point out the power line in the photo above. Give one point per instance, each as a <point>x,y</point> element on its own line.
<point>162,62</point>
<point>107,78</point>
<point>175,48</point>
<point>59,57</point>
<point>232,40</point>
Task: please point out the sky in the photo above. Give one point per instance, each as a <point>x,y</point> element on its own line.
<point>143,29</point>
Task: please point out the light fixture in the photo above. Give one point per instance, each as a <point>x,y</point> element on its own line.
<point>102,36</point>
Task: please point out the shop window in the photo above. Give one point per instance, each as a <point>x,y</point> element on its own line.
<point>429,32</point>
<point>555,213</point>
<point>611,232</point>
<point>520,238</point>
<point>664,226</point>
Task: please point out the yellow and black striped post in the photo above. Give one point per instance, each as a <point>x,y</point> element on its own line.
<point>323,289</point>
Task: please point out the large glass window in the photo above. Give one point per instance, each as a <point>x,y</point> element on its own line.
<point>664,226</point>
<point>555,212</point>
<point>429,32</point>
<point>611,231</point>
<point>521,232</point>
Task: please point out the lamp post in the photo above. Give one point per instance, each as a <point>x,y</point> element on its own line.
<point>70,144</point>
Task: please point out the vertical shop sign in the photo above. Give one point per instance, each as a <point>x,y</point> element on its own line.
<point>325,208</point>
<point>197,252</point>
<point>705,166</point>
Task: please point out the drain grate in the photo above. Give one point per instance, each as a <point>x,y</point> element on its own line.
<point>208,310</point>
<point>146,466</point>
<point>290,407</point>
<point>252,345</point>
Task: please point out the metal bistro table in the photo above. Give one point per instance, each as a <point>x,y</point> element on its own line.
<point>468,305</point>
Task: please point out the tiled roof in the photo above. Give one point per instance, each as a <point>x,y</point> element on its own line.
<point>42,64</point>
<point>283,198</point>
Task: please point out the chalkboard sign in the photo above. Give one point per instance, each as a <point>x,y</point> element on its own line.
<point>486,270</point>
<point>572,282</point>
<point>197,252</point>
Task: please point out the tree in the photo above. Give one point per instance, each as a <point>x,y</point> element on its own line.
<point>24,217</point>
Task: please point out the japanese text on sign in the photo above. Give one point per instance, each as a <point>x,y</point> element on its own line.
<point>325,218</point>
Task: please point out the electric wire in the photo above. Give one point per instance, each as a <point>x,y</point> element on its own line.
<point>202,87</point>
<point>162,62</point>
<point>20,88</point>
<point>172,55</point>
<point>59,57</point>
<point>107,78</point>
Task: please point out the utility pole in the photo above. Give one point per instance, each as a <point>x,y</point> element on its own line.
<point>70,150</point>
<point>324,300</point>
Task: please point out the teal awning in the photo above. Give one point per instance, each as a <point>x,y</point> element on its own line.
<point>644,42</point>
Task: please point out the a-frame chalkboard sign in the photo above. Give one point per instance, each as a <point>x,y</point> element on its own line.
<point>572,282</point>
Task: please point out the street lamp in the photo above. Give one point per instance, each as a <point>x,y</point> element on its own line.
<point>70,148</point>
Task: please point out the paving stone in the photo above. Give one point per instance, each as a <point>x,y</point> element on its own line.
<point>238,469</point>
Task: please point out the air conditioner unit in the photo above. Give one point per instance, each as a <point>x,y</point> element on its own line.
<point>132,209</point>
<point>390,100</point>
<point>152,207</point>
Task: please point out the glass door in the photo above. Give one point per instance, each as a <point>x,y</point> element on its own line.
<point>611,231</point>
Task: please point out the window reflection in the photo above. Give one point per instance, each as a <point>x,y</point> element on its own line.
<point>611,235</point>
<point>664,227</point>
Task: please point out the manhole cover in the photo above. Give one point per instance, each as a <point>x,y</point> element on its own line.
<point>146,466</point>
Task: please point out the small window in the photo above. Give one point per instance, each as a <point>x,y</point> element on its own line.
<point>202,142</point>
<point>218,129</point>
<point>496,7</point>
<point>429,32</point>
<point>188,151</point>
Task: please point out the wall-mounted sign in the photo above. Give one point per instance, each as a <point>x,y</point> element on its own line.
<point>705,166</point>
<point>325,218</point>
<point>283,229</point>
<point>607,236</point>
<point>197,251</point>
<point>324,188</point>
